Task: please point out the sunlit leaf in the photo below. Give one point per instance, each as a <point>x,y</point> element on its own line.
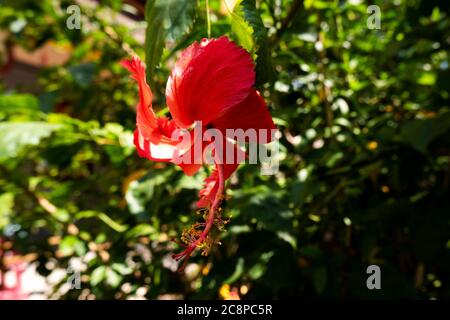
<point>16,135</point>
<point>248,27</point>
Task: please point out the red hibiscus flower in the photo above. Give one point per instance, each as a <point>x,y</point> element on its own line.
<point>212,84</point>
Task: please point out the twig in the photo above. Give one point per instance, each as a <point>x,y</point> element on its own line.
<point>208,19</point>
<point>287,20</point>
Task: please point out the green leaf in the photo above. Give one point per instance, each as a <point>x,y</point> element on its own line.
<point>98,275</point>
<point>288,237</point>
<point>140,231</point>
<point>61,215</point>
<point>70,245</point>
<point>267,207</point>
<point>167,20</point>
<point>427,79</point>
<point>15,135</point>
<point>141,192</point>
<point>113,278</point>
<point>248,28</point>
<point>18,103</point>
<point>6,208</point>
<point>237,272</point>
<point>122,268</point>
<point>420,132</point>
<point>258,270</point>
<point>242,29</point>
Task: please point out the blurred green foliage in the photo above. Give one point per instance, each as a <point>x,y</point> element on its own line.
<point>365,154</point>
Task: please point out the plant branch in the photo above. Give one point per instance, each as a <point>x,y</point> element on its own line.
<point>297,5</point>
<point>43,202</point>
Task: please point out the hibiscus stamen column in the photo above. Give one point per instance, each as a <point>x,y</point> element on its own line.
<point>204,236</point>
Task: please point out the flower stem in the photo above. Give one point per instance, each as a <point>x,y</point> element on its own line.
<point>208,19</point>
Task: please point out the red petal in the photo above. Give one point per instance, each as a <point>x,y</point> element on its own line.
<point>190,169</point>
<point>193,160</point>
<point>159,146</point>
<point>208,193</point>
<point>209,78</point>
<point>163,132</point>
<point>145,117</point>
<point>189,158</point>
<point>251,113</point>
<point>153,136</point>
<point>155,152</point>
